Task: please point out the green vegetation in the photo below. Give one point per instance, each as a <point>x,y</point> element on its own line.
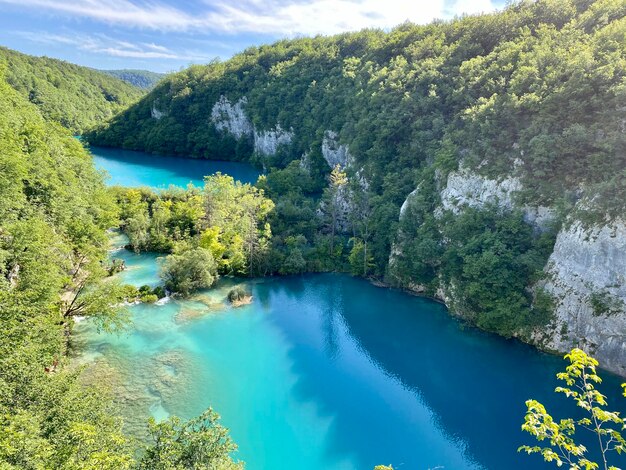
<point>219,229</point>
<point>54,211</point>
<point>201,443</point>
<point>76,97</point>
<point>190,270</point>
<point>535,91</point>
<point>580,379</point>
<point>140,78</point>
<point>603,303</point>
<point>237,294</point>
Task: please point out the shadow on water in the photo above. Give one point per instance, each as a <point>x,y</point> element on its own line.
<point>383,356</point>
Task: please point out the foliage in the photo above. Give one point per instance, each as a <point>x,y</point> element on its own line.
<point>139,78</point>
<point>54,212</point>
<point>603,303</point>
<point>580,384</point>
<point>487,256</point>
<point>533,91</point>
<point>200,443</point>
<point>226,218</point>
<point>76,97</point>
<point>236,294</point>
<point>189,270</point>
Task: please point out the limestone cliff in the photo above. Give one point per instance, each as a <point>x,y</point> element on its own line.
<point>585,275</point>
<point>335,153</point>
<point>587,278</point>
<point>232,118</point>
<point>267,142</point>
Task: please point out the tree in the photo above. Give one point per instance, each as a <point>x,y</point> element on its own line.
<point>361,262</point>
<point>334,201</point>
<point>201,443</point>
<point>190,270</point>
<point>102,301</point>
<point>580,379</point>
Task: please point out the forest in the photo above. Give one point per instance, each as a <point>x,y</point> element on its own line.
<point>54,213</point>
<point>139,78</point>
<point>76,97</point>
<point>535,92</point>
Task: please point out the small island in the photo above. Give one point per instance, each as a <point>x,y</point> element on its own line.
<point>237,296</point>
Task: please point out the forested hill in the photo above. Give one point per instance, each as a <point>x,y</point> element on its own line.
<point>54,213</point>
<point>139,78</point>
<point>541,79</point>
<point>76,97</point>
<point>468,145</point>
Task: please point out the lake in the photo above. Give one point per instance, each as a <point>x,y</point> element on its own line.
<point>129,168</point>
<point>325,372</point>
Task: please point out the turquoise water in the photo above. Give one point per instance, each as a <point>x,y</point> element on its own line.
<point>328,372</point>
<point>128,168</point>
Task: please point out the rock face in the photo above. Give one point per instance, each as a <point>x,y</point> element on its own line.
<point>590,264</point>
<point>231,118</point>
<point>466,188</point>
<point>335,153</point>
<point>155,113</point>
<point>586,273</point>
<point>267,142</point>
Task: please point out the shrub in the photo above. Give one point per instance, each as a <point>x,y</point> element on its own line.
<point>189,271</point>
<point>237,294</point>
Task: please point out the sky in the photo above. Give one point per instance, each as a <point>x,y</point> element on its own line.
<point>167,35</point>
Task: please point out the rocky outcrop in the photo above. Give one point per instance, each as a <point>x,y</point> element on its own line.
<point>466,188</point>
<point>335,153</point>
<point>267,142</point>
<point>587,278</point>
<point>585,275</point>
<point>232,118</point>
<point>155,113</point>
<point>407,201</point>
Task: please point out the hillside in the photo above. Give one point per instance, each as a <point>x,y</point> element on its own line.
<point>140,78</point>
<point>483,157</point>
<point>76,97</point>
<point>54,213</point>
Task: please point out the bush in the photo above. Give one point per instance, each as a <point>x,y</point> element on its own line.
<point>237,294</point>
<point>159,291</point>
<point>189,271</point>
<point>149,298</point>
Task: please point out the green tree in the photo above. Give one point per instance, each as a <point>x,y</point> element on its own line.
<point>200,443</point>
<point>580,385</point>
<point>361,262</point>
<point>190,270</point>
<point>334,202</point>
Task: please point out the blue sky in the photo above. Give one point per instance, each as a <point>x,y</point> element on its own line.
<point>166,35</point>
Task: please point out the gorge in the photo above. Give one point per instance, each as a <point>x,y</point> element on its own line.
<point>322,371</point>
<point>372,247</point>
<point>479,170</point>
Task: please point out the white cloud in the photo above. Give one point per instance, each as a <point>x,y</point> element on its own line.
<point>279,17</point>
<point>103,44</point>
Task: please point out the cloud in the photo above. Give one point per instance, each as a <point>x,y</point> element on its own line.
<point>103,44</point>
<point>278,17</point>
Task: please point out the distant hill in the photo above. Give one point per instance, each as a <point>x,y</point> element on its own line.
<point>140,78</point>
<point>76,97</point>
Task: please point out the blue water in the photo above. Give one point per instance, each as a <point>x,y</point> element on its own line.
<point>128,168</point>
<point>329,372</point>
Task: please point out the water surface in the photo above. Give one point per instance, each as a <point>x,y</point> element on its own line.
<point>129,168</point>
<point>328,372</point>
